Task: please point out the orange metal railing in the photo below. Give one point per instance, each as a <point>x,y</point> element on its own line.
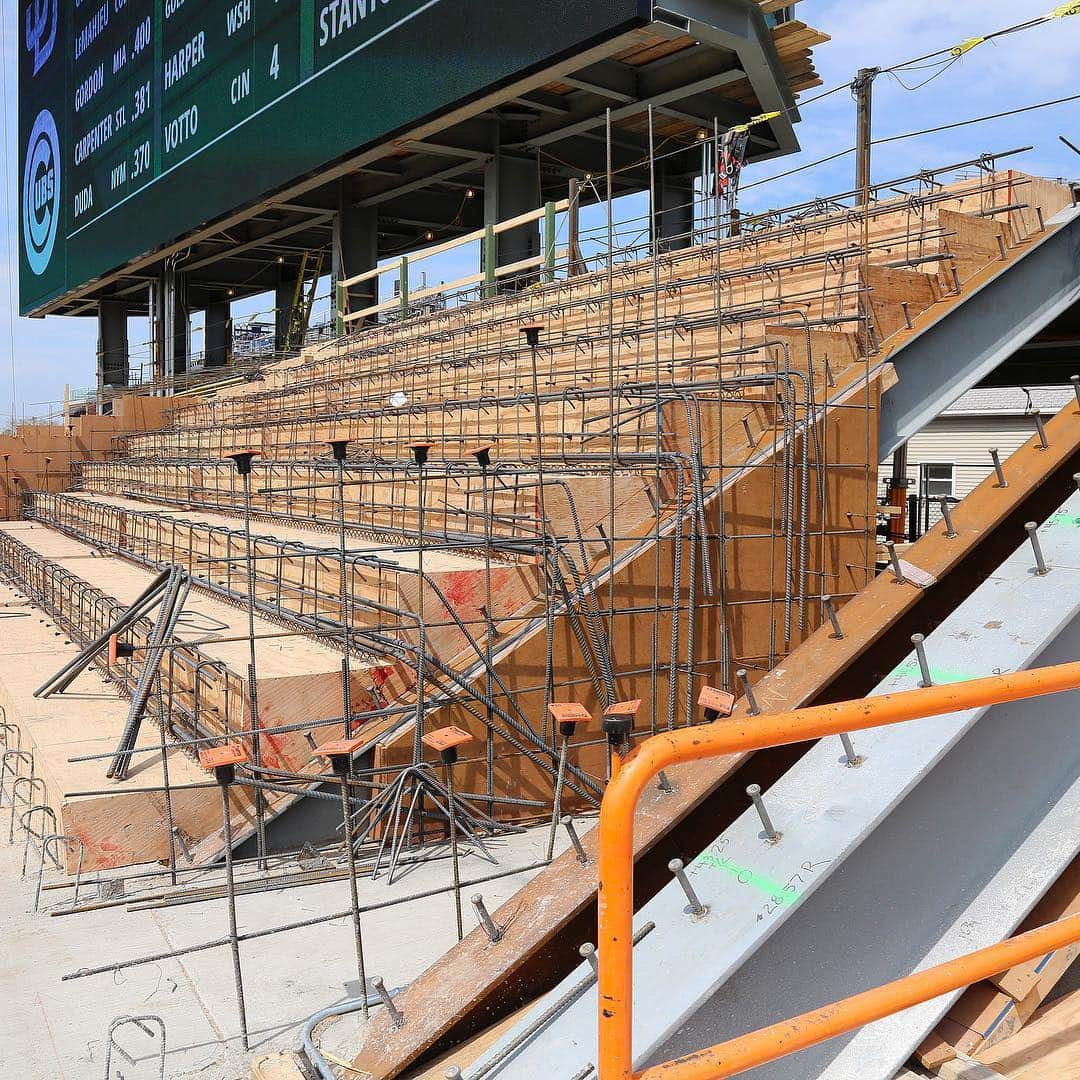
<point>616,872</point>
<point>809,1029</point>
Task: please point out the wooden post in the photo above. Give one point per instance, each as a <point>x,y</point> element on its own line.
<point>573,229</point>
<point>864,84</point>
<point>549,241</point>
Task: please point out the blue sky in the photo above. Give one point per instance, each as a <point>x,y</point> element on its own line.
<point>1018,70</point>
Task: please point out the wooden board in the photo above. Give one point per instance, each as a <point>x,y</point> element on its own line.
<point>1046,1048</point>
<point>993,1010</point>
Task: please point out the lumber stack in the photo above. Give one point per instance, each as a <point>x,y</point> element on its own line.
<point>988,1014</point>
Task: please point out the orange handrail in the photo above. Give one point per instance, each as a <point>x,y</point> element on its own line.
<point>615,827</point>
<point>809,1029</point>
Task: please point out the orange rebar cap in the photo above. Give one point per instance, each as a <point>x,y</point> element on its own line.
<point>216,757</point>
<point>447,738</point>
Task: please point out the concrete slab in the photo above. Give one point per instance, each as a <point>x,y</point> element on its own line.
<point>54,1030</point>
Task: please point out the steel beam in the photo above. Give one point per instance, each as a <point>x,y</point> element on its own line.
<point>967,343</point>
<point>997,790</point>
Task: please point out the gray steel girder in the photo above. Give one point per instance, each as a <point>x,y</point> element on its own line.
<point>940,841</point>
<point>969,341</point>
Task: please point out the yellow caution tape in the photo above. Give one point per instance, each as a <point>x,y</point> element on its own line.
<point>967,46</point>
<point>1071,8</point>
<point>761,118</point>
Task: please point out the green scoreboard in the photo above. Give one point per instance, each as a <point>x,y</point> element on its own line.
<point>141,120</point>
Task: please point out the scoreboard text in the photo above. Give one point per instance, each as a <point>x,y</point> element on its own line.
<point>140,120</point>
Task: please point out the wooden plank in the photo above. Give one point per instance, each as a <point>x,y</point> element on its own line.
<point>1046,1048</point>
<point>282,1065</point>
<point>991,1011</point>
<point>964,1068</point>
<point>1062,899</point>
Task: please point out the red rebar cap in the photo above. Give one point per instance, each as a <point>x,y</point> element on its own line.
<point>717,701</point>
<point>339,747</point>
<point>624,708</point>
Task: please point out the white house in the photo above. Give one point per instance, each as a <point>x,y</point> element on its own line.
<point>952,454</point>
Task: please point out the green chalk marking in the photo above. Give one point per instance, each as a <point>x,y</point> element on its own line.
<point>778,893</point>
<point>1068,521</point>
<point>938,675</point>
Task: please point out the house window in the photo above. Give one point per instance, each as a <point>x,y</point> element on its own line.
<point>938,480</point>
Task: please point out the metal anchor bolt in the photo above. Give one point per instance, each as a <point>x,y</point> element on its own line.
<point>568,823</point>
<point>946,513</point>
<point>749,433</point>
<point>754,791</point>
<point>1002,482</point>
<point>1033,536</point>
<point>851,759</point>
<point>486,921</point>
<point>663,783</point>
<point>748,691</point>
<point>830,611</point>
<point>1040,428</point>
<point>453,1073</point>
<point>695,907</point>
<point>178,838</point>
<point>920,652</point>
<point>396,1015</point>
<point>587,951</point>
<point>894,560</point>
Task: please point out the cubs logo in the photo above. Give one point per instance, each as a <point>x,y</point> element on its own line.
<point>42,17</point>
<point>41,192</point>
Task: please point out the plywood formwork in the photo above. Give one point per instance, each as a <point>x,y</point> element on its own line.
<point>298,681</point>
<point>296,569</point>
<point>474,983</point>
<point>40,456</point>
<point>115,828</point>
<point>475,359</point>
<point>684,453</point>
